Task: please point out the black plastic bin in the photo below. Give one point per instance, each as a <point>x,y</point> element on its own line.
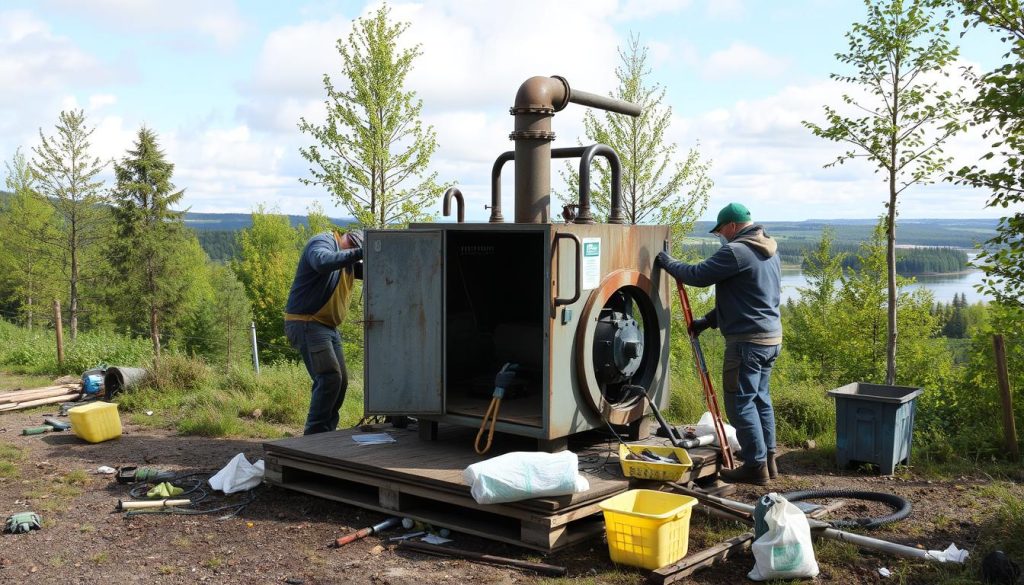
<point>874,424</point>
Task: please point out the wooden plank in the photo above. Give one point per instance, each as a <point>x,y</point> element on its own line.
<point>701,560</point>
<point>439,464</point>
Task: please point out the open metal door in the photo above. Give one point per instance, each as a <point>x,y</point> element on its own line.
<point>402,282</point>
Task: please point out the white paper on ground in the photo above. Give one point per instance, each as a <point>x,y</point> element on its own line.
<point>884,572</point>
<point>105,470</point>
<point>952,554</point>
<point>706,426</point>
<point>238,475</point>
<point>435,539</point>
<point>373,438</point>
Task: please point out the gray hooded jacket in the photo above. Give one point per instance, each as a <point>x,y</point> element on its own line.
<point>746,273</point>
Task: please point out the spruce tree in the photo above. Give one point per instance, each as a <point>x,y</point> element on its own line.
<point>149,234</point>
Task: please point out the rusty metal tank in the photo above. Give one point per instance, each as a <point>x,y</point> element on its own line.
<point>577,306</point>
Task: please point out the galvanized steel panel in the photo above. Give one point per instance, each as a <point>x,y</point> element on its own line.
<point>403,281</point>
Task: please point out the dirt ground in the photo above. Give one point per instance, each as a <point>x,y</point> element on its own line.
<point>281,537</point>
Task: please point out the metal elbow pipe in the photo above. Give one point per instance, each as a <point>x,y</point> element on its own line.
<point>536,102</point>
<point>446,207</point>
<point>499,162</point>
<point>617,214</point>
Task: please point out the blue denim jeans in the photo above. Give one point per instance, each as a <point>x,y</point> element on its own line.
<point>745,373</point>
<point>320,347</point>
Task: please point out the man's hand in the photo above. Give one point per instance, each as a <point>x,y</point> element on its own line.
<point>698,326</point>
<point>662,260</point>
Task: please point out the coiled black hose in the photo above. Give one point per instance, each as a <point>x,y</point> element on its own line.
<point>900,506</point>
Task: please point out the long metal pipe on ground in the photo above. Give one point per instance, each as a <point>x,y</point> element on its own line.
<point>817,527</point>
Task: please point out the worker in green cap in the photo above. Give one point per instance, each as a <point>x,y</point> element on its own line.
<point>746,272</point>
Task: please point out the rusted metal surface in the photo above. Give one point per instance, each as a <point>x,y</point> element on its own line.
<point>499,162</point>
<point>536,102</point>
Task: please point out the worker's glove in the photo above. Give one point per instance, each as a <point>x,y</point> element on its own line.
<point>23,522</point>
<point>698,326</point>
<point>506,376</point>
<point>662,260</point>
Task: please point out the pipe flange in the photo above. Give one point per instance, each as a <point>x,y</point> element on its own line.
<point>532,135</point>
<point>531,110</point>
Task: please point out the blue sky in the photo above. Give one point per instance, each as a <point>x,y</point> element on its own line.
<point>224,83</point>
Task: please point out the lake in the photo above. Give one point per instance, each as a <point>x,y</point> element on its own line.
<point>942,286</point>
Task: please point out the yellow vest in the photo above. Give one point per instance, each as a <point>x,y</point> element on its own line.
<point>334,311</point>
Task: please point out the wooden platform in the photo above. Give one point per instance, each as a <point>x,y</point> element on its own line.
<point>423,480</point>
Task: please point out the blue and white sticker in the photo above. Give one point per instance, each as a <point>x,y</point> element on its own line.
<point>591,276</point>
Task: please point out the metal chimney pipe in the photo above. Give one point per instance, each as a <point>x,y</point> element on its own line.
<point>536,102</point>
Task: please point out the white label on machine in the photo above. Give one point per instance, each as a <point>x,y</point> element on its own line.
<point>591,276</point>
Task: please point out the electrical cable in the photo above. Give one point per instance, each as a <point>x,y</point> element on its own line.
<point>195,482</point>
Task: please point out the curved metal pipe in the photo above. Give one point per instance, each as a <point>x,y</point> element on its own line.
<point>617,214</point>
<point>446,207</point>
<point>536,102</point>
<point>499,162</point>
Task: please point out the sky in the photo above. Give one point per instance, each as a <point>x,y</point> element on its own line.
<point>224,84</point>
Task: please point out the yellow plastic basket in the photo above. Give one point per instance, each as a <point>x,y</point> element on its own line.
<point>647,528</point>
<point>654,471</point>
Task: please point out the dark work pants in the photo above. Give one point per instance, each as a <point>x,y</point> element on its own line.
<point>746,371</point>
<point>320,347</point>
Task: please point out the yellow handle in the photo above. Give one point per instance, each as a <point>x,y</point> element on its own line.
<point>492,413</point>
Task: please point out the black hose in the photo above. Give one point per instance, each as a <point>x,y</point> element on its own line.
<point>900,506</point>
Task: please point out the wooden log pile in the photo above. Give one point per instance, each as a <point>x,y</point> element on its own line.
<point>19,399</point>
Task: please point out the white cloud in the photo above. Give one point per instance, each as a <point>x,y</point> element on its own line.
<point>641,9</point>
<point>187,20</point>
<point>763,156</point>
<point>741,59</point>
<point>725,9</point>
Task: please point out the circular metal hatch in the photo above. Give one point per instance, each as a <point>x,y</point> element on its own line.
<point>619,342</point>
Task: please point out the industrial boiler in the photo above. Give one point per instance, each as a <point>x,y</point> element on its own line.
<point>572,312</point>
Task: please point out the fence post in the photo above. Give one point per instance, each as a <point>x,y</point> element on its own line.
<point>1009,425</point>
<point>60,333</point>
<point>255,349</point>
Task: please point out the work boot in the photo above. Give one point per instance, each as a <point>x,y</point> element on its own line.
<point>773,470</point>
<point>752,474</point>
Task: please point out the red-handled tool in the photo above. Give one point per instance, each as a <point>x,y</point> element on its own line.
<point>364,532</point>
<point>709,390</point>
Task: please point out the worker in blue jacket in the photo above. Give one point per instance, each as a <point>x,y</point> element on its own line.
<point>746,273</point>
<point>317,305</point>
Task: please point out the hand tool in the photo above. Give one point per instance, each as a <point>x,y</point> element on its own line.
<point>709,390</point>
<point>364,532</point>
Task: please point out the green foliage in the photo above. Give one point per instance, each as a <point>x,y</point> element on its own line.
<point>898,55</point>
<point>67,177</point>
<point>35,351</point>
<point>145,254</point>
<point>999,110</point>
<point>373,150</point>
<point>657,187</point>
<point>27,223</point>
<point>219,245</point>
<point>268,254</point>
<point>217,326</point>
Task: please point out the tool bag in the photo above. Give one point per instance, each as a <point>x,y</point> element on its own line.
<point>785,550</point>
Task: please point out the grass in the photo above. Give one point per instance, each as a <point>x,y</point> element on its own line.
<point>194,398</point>
<point>612,577</point>
<point>9,458</point>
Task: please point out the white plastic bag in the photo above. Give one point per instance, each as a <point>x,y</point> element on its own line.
<point>785,551</point>
<point>523,475</point>
<point>706,426</point>
<point>238,475</point>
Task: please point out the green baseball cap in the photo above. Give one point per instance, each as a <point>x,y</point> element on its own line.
<point>734,212</point>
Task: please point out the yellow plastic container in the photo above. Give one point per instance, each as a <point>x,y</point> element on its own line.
<point>96,422</point>
<point>654,471</point>
<point>647,528</point>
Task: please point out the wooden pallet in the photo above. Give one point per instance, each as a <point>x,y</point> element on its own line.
<point>423,480</point>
